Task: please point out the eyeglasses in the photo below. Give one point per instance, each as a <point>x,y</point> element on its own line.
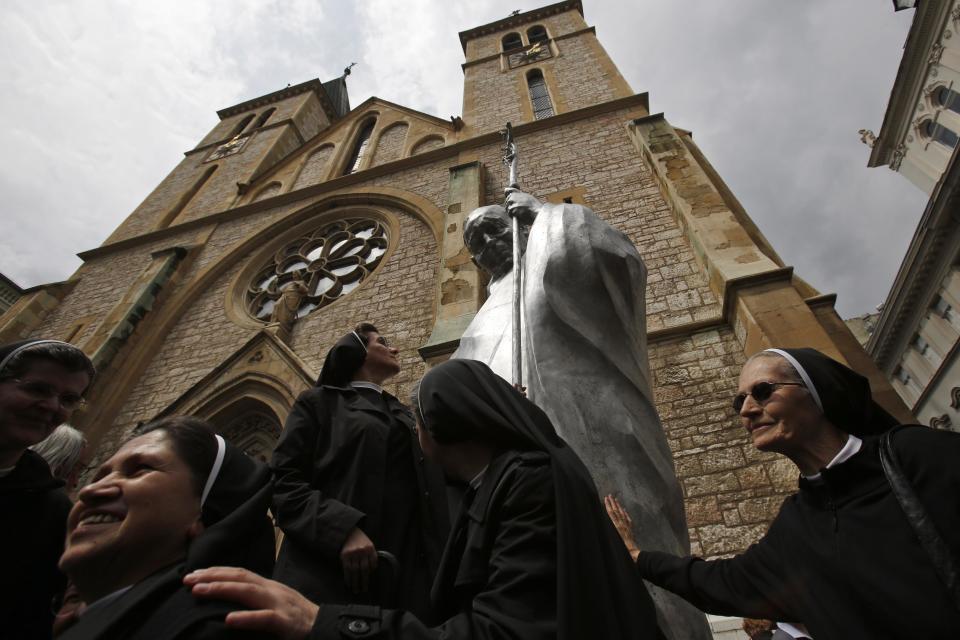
<point>44,391</point>
<point>761,392</point>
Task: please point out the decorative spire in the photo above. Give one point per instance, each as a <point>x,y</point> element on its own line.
<point>346,71</point>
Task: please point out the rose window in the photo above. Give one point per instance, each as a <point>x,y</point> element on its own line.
<point>320,267</point>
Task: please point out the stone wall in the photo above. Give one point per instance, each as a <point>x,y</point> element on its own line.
<point>399,296</point>
<point>732,491</point>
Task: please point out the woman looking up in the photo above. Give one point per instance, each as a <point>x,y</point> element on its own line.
<point>531,555</point>
<point>351,481</point>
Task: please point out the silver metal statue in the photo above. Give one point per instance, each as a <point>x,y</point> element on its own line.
<point>584,358</point>
<point>511,159</point>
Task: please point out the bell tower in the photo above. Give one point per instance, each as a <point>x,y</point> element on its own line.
<point>530,66</point>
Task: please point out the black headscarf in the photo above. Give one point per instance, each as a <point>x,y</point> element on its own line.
<point>343,360</point>
<point>238,532</point>
<point>841,393</point>
<point>8,351</point>
<point>599,593</point>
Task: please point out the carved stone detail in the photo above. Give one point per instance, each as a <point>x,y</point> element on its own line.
<point>941,422</point>
<point>867,137</point>
<point>898,155</point>
<point>936,52</point>
<point>314,270</point>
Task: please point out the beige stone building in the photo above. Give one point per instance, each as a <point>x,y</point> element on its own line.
<point>916,339</point>
<point>10,292</point>
<point>297,216</point>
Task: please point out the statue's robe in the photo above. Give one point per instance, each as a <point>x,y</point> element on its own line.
<point>585,364</point>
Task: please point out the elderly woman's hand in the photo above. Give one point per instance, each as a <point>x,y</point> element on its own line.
<point>275,608</point>
<point>359,559</point>
<point>623,523</point>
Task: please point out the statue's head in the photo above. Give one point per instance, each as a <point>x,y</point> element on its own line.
<point>488,234</point>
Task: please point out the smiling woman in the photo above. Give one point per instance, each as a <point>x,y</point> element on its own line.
<point>176,498</point>
<point>41,383</point>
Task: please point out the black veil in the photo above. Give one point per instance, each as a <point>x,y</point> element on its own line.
<point>842,394</point>
<point>343,360</point>
<point>599,593</point>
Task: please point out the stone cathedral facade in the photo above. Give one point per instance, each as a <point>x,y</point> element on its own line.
<point>297,216</point>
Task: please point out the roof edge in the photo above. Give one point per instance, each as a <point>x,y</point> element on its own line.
<point>520,18</point>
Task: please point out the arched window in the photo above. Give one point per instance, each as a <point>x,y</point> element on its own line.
<point>948,98</point>
<point>537,33</point>
<point>237,130</point>
<point>262,120</point>
<point>542,108</point>
<point>512,41</point>
<point>939,133</point>
<point>360,148</point>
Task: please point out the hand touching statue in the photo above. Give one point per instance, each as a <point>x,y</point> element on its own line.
<point>623,523</point>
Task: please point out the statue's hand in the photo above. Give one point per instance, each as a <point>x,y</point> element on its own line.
<point>522,205</point>
<point>623,523</point>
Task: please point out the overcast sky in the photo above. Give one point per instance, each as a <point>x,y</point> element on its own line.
<point>100,100</point>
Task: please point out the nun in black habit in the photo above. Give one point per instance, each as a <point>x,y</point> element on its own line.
<point>173,499</point>
<point>531,555</point>
<point>841,557</point>
<point>351,481</point>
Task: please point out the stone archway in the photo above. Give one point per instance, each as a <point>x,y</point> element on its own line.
<point>249,425</point>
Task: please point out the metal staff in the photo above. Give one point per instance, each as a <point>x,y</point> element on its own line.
<point>510,160</point>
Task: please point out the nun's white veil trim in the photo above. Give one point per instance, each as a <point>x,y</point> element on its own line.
<point>807,381</point>
<point>215,470</point>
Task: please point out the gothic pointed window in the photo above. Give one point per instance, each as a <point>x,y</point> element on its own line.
<point>262,120</point>
<point>537,33</point>
<point>512,41</point>
<point>939,133</point>
<point>237,130</point>
<point>360,148</point>
<point>539,96</point>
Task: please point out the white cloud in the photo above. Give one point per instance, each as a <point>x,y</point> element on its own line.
<point>101,99</point>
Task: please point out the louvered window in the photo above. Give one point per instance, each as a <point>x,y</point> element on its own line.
<point>542,108</point>
<point>360,148</point>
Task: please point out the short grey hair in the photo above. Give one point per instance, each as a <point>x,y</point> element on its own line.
<point>68,356</point>
<point>62,450</point>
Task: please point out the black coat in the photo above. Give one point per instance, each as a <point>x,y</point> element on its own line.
<point>35,510</point>
<point>498,578</point>
<point>841,557</point>
<point>158,608</point>
<point>331,469</point>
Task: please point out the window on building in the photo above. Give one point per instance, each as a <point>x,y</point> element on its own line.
<point>901,374</point>
<point>512,41</point>
<point>942,308</point>
<point>542,107</point>
<point>262,120</point>
<point>360,148</point>
<point>947,98</point>
<point>237,130</point>
<point>920,344</point>
<point>939,133</point>
<point>537,33</point>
